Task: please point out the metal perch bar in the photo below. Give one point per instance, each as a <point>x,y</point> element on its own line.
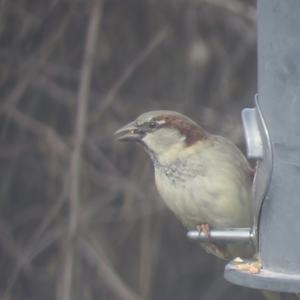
<point>223,235</point>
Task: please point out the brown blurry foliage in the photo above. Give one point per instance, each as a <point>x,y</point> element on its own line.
<point>79,214</point>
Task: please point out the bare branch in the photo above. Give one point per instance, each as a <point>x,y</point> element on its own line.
<point>42,131</point>
<point>79,132</point>
<point>134,65</point>
<point>95,256</point>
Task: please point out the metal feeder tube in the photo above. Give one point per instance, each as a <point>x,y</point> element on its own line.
<point>277,182</point>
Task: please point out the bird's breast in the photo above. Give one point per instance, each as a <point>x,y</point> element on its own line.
<point>177,187</point>
<point>198,193</point>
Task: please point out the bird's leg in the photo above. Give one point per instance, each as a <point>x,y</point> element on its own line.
<point>217,250</point>
<point>205,229</point>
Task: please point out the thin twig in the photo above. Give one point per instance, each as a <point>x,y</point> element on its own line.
<point>134,65</point>
<point>96,257</point>
<point>30,254</point>
<point>42,131</point>
<point>75,160</point>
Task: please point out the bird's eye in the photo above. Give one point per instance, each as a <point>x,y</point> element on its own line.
<point>152,124</point>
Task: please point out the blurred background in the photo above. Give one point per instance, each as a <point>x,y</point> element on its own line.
<point>80,217</point>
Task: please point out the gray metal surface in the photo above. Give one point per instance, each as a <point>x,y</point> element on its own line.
<point>279,98</point>
<point>254,143</point>
<point>265,280</point>
<point>259,148</point>
<point>227,235</point>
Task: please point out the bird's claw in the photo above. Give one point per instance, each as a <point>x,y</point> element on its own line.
<point>205,229</point>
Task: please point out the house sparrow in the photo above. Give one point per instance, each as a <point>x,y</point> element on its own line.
<point>204,179</point>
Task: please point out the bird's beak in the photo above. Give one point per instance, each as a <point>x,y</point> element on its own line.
<point>128,132</point>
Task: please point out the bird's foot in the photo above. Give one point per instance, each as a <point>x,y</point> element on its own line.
<point>205,229</point>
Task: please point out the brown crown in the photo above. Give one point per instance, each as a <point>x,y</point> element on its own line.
<point>192,131</point>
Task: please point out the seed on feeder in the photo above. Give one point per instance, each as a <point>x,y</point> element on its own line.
<point>253,267</point>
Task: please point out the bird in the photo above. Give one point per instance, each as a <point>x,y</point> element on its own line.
<point>204,179</point>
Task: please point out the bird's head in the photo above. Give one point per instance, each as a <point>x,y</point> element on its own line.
<point>162,133</point>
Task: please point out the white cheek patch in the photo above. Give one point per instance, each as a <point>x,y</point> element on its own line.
<point>163,140</point>
<point>161,122</point>
<point>152,141</point>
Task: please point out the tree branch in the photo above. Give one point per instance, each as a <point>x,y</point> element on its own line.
<point>75,160</point>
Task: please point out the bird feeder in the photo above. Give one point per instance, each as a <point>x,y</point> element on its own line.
<point>272,132</point>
